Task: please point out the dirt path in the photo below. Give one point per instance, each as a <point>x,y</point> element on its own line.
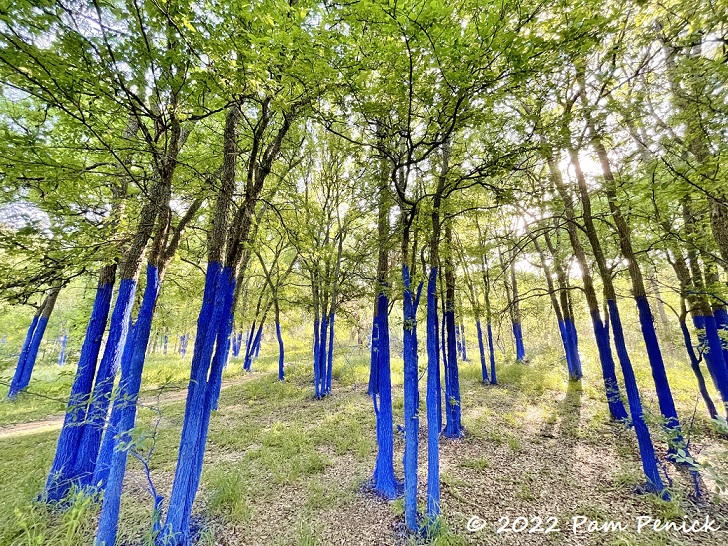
<point>56,421</point>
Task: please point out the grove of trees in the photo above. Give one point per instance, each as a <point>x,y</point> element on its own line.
<point>365,166</point>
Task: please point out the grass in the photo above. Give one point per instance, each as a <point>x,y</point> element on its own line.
<point>282,468</point>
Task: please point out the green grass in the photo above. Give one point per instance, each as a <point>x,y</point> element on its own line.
<point>229,496</point>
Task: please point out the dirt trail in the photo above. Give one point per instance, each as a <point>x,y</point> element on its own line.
<point>56,421</point>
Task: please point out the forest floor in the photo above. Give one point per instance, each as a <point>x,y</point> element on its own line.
<point>282,468</point>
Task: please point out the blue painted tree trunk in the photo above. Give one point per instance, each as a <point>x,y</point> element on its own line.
<point>225,297</point>
<point>316,352</point>
<point>108,442</point>
<point>320,386</point>
<point>330,355</point>
<point>614,398</point>
<point>411,400</point>
<point>695,365</point>
<point>573,347</point>
<point>62,354</point>
<point>211,316</point>
<point>17,377</point>
<point>567,349</point>
<point>184,340</point>
<point>518,335</point>
<point>252,346</point>
<point>258,340</point>
<point>384,482</point>
<point>721,321</point>
<point>453,427</point>
<point>29,353</point>
<point>659,375</point>
<point>712,352</point>
<point>59,477</point>
<point>249,346</point>
<point>373,362</point>
<point>481,349</point>
<point>281,352</point>
<point>463,343</point>
<point>432,400</point>
<point>90,441</point>
<point>125,405</point>
<point>219,360</point>
<point>31,357</point>
<point>644,441</point>
<point>237,344</point>
<point>443,338</point>
<point>491,353</point>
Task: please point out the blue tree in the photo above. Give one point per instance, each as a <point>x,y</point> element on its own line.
<point>29,351</point>
<point>58,476</point>
<point>453,426</point>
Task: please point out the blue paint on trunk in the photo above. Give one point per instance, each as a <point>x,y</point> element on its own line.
<point>281,352</point>
<point>125,405</point>
<point>20,367</point>
<point>253,347</point>
<point>219,360</point>
<point>373,387</point>
<point>453,426</point>
<point>695,365</point>
<point>321,362</point>
<point>32,355</point>
<point>15,383</point>
<point>184,340</point>
<point>101,395</point>
<point>721,321</point>
<point>128,353</point>
<point>567,349</point>
<point>431,401</point>
<point>491,353</point>
<point>384,482</point>
<point>574,347</point>
<point>212,313</point>
<point>411,400</point>
<point>237,344</point>
<point>713,354</point>
<point>249,347</point>
<point>59,477</point>
<point>481,348</point>
<point>258,340</point>
<point>463,344</point>
<point>330,356</point>
<point>316,351</point>
<point>644,441</point>
<point>108,442</point>
<point>62,354</point>
<point>659,375</point>
<point>211,393</point>
<point>611,387</point>
<point>518,335</point>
